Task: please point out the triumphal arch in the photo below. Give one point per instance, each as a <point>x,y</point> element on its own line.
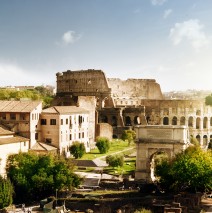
<point>152,139</point>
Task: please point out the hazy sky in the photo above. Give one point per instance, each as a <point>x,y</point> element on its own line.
<point>166,40</point>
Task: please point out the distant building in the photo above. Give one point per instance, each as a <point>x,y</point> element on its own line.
<point>60,126</point>
<point>10,144</point>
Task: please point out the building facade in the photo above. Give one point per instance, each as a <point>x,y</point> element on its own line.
<point>60,126</point>
<point>10,144</point>
<point>21,117</point>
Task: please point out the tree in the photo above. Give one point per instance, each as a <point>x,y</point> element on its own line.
<point>115,160</point>
<point>77,149</point>
<point>208,100</point>
<point>103,144</point>
<point>38,176</point>
<point>128,135</point>
<point>190,170</point>
<point>6,192</point>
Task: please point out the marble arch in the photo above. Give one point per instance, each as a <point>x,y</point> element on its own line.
<point>156,138</point>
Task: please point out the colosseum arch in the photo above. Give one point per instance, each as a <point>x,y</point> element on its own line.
<point>165,121</point>
<point>197,123</point>
<point>174,120</point>
<point>114,121</point>
<point>190,121</point>
<point>182,120</point>
<point>205,121</point>
<point>137,120</point>
<point>205,140</point>
<point>157,138</point>
<point>128,121</point>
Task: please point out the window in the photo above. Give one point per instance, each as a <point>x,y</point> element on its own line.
<point>48,140</point>
<point>13,116</point>
<point>70,137</point>
<point>61,121</point>
<point>67,121</point>
<point>3,115</point>
<point>52,121</point>
<point>43,121</point>
<point>22,117</point>
<point>36,136</point>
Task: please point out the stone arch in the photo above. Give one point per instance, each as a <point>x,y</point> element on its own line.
<point>174,120</point>
<point>205,121</point>
<point>151,140</point>
<point>198,123</point>
<point>182,120</point>
<point>114,121</point>
<point>128,121</point>
<point>205,140</point>
<point>165,121</point>
<point>137,120</point>
<point>190,121</point>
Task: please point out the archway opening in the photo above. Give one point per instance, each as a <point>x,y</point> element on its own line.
<point>137,120</point>
<point>174,120</point>
<point>128,121</point>
<point>165,121</point>
<point>182,120</point>
<point>157,159</point>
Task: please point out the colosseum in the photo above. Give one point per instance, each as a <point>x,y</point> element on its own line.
<point>126,103</point>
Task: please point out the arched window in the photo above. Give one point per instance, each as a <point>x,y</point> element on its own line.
<point>137,120</point>
<point>190,122</point>
<point>114,121</point>
<point>205,121</point>
<point>165,121</point>
<point>128,121</point>
<point>182,120</point>
<point>205,140</point>
<point>197,123</point>
<point>174,120</point>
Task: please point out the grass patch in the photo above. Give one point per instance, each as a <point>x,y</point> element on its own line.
<point>127,169</point>
<point>115,146</point>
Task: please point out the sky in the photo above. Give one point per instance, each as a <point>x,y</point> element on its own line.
<point>166,40</point>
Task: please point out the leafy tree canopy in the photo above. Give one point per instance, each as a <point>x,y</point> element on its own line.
<point>115,160</point>
<point>189,170</point>
<point>103,144</point>
<point>208,100</point>
<point>6,192</point>
<point>39,93</point>
<point>77,149</point>
<point>128,135</point>
<point>38,176</point>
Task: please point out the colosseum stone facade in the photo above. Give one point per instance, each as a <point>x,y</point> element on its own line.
<point>126,103</point>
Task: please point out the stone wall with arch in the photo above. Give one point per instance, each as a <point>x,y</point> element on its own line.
<point>153,139</point>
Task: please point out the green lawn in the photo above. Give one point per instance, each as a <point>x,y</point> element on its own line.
<point>116,146</point>
<point>127,169</point>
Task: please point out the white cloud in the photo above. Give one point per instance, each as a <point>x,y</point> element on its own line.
<point>190,30</point>
<point>167,13</point>
<point>70,37</point>
<point>158,2</point>
<point>14,75</point>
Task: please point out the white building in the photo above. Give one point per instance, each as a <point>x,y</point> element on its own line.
<point>60,126</point>
<point>10,144</point>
